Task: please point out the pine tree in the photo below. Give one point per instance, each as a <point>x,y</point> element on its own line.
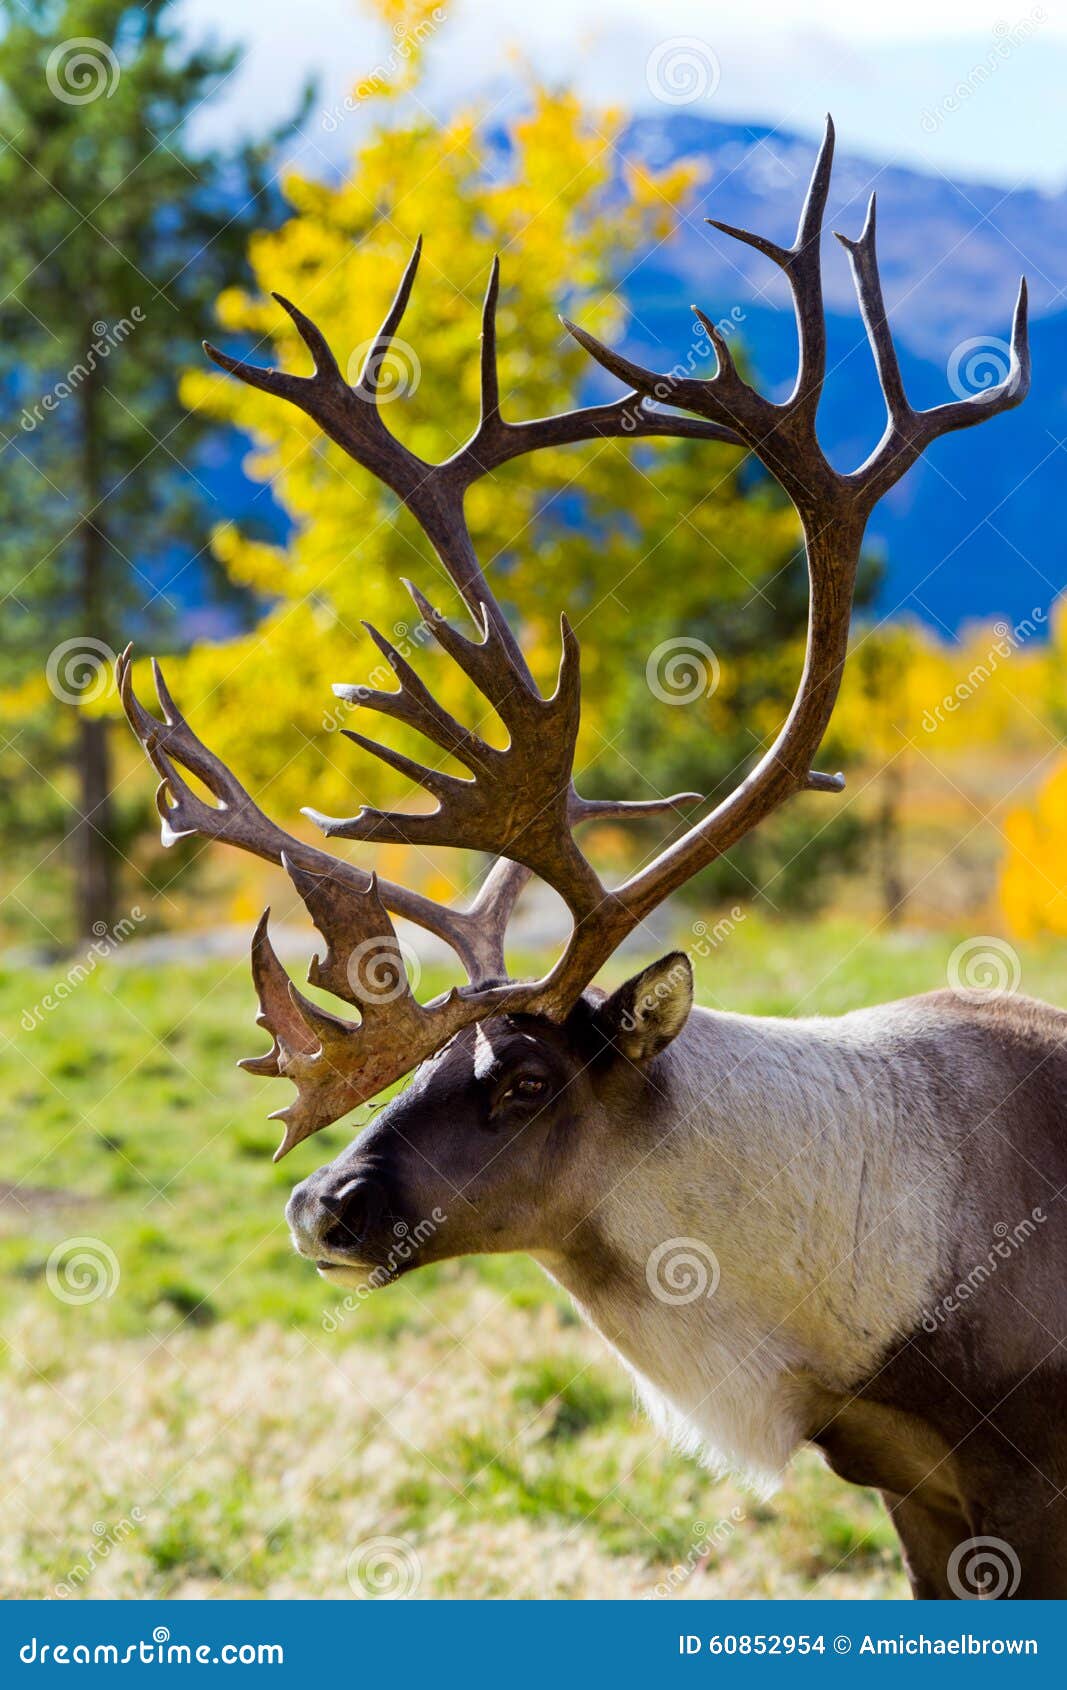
<point>119,229</point>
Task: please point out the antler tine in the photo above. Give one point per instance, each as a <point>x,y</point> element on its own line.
<point>368,381</point>
<point>782,436</point>
<point>863,257</point>
<point>481,660</point>
<point>276,382</point>
<point>802,263</point>
<point>500,890</point>
<point>490,375</point>
<point>326,365</point>
<point>414,704</point>
<point>909,432</point>
<point>492,909</point>
<point>804,269</point>
<point>628,809</point>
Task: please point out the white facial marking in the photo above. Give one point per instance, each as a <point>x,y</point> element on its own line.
<point>484,1055</point>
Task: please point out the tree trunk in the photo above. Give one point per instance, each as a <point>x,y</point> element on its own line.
<point>91,835</point>
<point>94,855</point>
<point>888,830</point>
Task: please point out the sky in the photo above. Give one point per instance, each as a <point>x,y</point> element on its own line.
<point>970,90</point>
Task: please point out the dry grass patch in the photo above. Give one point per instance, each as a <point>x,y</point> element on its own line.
<point>498,1457</point>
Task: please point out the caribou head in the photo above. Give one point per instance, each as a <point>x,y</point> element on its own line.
<point>497,1141</point>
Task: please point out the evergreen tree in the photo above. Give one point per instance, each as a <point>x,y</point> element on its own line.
<point>119,230</point>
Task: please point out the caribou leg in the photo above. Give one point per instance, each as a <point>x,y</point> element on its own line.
<point>928,1537</point>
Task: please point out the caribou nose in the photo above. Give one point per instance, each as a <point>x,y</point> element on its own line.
<point>305,1217</point>
<point>354,1207</point>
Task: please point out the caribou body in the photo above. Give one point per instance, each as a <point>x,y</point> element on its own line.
<point>847,1232</point>
<point>841,1232</point>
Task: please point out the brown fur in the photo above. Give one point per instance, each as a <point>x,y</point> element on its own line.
<point>958,1416</point>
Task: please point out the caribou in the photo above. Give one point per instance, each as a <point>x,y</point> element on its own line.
<point>776,1225</point>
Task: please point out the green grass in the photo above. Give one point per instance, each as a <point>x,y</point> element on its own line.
<point>124,1120</point>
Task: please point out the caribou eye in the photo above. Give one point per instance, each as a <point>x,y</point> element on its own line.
<point>527,1087</point>
<point>520,1095</point>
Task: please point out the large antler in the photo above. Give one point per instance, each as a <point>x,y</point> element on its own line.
<point>833,509</point>
<point>334,1064</point>
<point>519,803</point>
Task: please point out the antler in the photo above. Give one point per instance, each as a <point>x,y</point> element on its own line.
<point>434,493</point>
<point>335,1064</point>
<point>833,509</point>
<point>520,803</point>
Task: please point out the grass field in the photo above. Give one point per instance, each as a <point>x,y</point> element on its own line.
<point>215,1424</point>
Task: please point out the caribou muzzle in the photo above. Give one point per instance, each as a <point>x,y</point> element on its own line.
<point>341,1220</point>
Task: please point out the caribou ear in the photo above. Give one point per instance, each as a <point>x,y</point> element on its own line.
<point>641,1018</point>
